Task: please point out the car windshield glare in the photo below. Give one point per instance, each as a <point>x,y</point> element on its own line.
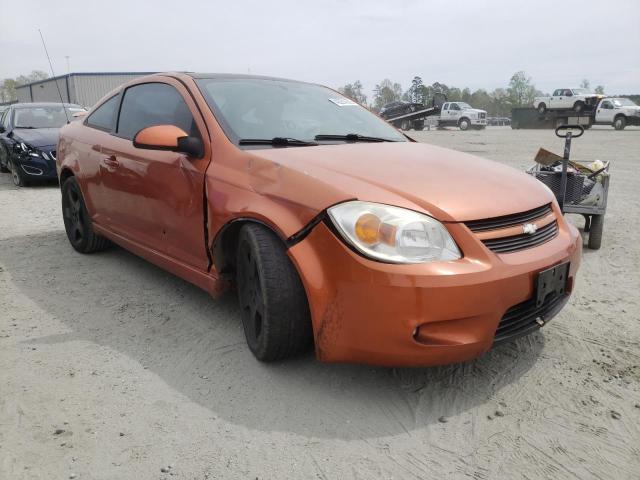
<point>43,117</point>
<point>624,102</point>
<point>464,105</point>
<point>580,91</point>
<point>252,108</point>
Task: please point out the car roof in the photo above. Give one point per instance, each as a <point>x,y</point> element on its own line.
<point>226,76</point>
<point>43,104</point>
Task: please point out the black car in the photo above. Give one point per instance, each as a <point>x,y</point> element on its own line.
<point>395,109</point>
<point>28,139</point>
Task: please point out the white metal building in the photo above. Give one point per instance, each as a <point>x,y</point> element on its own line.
<point>81,88</point>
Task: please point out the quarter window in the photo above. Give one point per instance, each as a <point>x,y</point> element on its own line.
<point>102,118</point>
<point>153,104</point>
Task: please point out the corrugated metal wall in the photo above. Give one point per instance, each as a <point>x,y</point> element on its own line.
<point>47,91</point>
<point>91,88</point>
<point>84,89</point>
<point>23,93</point>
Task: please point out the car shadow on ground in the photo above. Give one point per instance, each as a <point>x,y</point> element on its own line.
<point>196,345</point>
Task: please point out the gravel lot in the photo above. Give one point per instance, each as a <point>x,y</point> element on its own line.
<point>111,368</point>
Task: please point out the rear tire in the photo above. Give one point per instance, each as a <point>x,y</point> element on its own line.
<point>578,107</point>
<point>595,231</point>
<point>542,108</point>
<point>77,221</point>
<point>405,125</point>
<point>620,122</point>
<point>273,302</point>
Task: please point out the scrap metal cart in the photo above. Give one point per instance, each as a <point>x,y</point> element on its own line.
<point>577,187</point>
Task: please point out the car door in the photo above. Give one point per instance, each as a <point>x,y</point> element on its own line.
<point>99,125</point>
<point>446,112</point>
<point>605,112</point>
<point>156,197</point>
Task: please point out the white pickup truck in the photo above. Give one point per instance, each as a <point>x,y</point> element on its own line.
<point>577,99</point>
<point>617,112</point>
<point>462,115</point>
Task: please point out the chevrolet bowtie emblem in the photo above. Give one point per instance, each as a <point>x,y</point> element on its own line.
<point>529,228</point>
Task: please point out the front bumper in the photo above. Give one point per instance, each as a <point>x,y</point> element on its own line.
<point>40,167</point>
<point>430,314</point>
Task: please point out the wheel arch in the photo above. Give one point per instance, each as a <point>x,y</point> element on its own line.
<point>225,243</point>
<point>65,173</point>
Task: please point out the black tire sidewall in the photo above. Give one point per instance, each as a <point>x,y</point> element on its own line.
<point>16,174</point>
<point>81,246</point>
<point>622,122</point>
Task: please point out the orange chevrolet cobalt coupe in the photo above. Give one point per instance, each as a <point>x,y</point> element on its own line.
<point>336,230</point>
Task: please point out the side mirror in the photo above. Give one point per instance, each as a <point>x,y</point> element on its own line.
<point>80,114</point>
<point>2,129</point>
<point>170,138</point>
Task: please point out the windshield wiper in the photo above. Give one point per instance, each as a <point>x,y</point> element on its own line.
<point>353,137</point>
<point>277,142</point>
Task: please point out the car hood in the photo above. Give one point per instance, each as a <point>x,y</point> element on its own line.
<point>475,110</point>
<point>39,137</point>
<point>448,185</point>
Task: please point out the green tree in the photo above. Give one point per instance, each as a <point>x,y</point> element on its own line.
<point>354,92</point>
<point>8,85</point>
<point>585,84</point>
<point>521,90</point>
<point>386,92</point>
<point>600,89</point>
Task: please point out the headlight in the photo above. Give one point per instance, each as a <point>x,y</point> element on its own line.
<point>393,234</point>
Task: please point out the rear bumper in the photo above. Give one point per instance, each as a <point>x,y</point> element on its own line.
<point>410,315</point>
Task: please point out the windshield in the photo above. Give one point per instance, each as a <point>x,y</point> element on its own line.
<point>43,117</point>
<point>250,108</point>
<point>580,91</point>
<point>464,105</point>
<point>623,102</point>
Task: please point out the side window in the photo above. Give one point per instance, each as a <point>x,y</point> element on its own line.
<point>607,105</point>
<point>103,117</point>
<point>153,104</point>
<point>454,106</point>
<point>445,106</point>
<point>557,93</point>
<point>568,93</point>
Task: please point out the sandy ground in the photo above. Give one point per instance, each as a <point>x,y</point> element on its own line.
<point>111,368</point>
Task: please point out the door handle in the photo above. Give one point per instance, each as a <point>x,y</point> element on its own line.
<point>111,161</point>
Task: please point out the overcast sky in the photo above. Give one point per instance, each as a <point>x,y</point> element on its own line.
<point>478,44</point>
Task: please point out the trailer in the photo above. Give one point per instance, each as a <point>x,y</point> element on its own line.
<point>417,118</point>
<point>527,117</point>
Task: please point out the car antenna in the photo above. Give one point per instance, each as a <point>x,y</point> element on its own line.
<point>54,76</point>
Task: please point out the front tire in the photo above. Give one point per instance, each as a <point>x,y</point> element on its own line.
<point>620,122</point>
<point>464,124</point>
<point>4,159</point>
<point>77,222</point>
<point>16,175</point>
<point>273,302</point>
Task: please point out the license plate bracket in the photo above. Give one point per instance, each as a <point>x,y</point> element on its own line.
<point>551,281</point>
